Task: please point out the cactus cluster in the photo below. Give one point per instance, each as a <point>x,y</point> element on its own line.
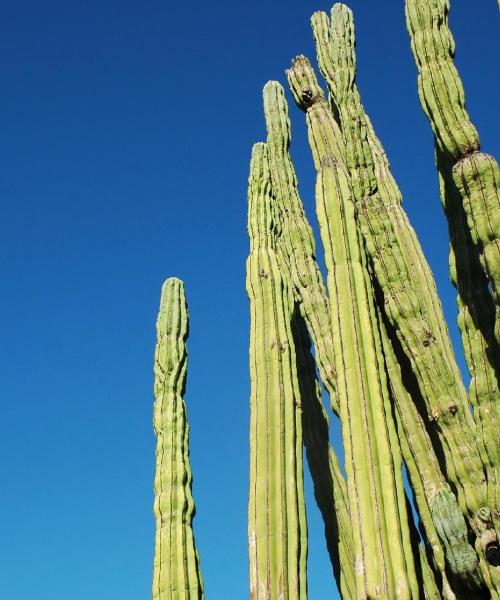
<point>373,337</point>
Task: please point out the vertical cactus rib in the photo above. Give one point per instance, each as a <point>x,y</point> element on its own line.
<point>277,519</point>
<point>297,241</point>
<point>176,574</point>
<point>423,342</point>
<point>475,173</point>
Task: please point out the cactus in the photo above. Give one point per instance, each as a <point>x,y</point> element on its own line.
<point>329,484</point>
<point>325,138</point>
<point>381,349</point>
<point>277,529</point>
<point>176,574</point>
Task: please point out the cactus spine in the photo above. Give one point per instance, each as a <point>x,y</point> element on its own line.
<point>176,574</point>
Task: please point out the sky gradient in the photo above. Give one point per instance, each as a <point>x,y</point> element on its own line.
<point>126,136</point>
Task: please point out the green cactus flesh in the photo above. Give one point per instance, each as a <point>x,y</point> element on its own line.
<point>277,529</point>
<point>176,574</point>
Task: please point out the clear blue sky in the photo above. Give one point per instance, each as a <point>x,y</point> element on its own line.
<point>126,130</point>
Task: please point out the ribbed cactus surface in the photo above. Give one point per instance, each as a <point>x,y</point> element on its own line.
<point>277,528</point>
<point>176,574</point>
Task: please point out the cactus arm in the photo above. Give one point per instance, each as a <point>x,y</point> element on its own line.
<point>417,265</point>
<point>277,520</point>
<point>475,173</point>
<point>176,574</point>
<point>297,241</point>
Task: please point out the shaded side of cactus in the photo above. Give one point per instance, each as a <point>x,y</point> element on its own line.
<point>277,529</point>
<point>330,488</point>
<point>176,574</point>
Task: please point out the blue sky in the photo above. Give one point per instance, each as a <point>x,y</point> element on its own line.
<point>126,135</point>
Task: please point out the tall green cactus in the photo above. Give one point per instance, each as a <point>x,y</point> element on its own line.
<point>176,574</point>
<point>407,309</point>
<point>324,134</point>
<point>381,348</point>
<point>296,249</point>
<point>277,529</point>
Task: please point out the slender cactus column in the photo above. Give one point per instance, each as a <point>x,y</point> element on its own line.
<point>277,529</point>
<point>336,215</point>
<point>297,253</point>
<point>176,574</point>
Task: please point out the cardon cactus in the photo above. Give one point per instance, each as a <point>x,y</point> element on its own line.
<point>176,574</point>
<point>373,338</point>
